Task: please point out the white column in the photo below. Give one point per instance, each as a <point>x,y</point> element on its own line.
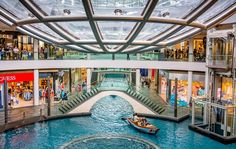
<point>36,48</point>
<point>190,84</point>
<point>205,113</point>
<point>137,79</point>
<point>207,82</point>
<point>88,79</point>
<point>193,112</point>
<point>190,51</point>
<point>207,73</point>
<point>137,82</point>
<point>225,122</point>
<point>138,56</point>
<point>36,87</point>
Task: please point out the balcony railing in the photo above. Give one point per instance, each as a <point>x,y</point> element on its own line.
<point>220,61</point>
<point>72,55</point>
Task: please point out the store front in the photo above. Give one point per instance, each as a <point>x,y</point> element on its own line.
<point>20,88</point>
<point>224,89</point>
<point>198,86</point>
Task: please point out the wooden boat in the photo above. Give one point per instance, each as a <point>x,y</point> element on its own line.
<point>147,128</point>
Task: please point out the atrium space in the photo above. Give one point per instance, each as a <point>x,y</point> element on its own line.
<point>117,74</point>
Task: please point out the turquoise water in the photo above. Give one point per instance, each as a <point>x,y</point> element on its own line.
<point>105,120</point>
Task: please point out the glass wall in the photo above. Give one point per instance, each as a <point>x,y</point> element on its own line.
<point>198,86</point>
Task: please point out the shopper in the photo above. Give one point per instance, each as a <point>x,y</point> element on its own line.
<point>16,53</point>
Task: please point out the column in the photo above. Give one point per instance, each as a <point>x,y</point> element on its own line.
<point>88,75</point>
<point>36,48</point>
<point>208,48</point>
<point>225,122</point>
<point>157,80</point>
<point>88,79</point>
<point>36,87</point>
<point>137,79</point>
<point>190,73</point>
<point>205,113</point>
<point>190,84</point>
<point>190,51</point>
<point>137,82</point>
<point>193,112</point>
<point>70,80</point>
<point>234,77</point>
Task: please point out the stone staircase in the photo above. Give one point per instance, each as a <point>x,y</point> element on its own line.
<point>153,106</point>
<point>76,100</point>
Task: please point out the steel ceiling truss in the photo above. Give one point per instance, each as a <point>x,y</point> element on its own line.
<point>68,40</point>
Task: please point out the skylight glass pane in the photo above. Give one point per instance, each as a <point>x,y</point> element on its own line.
<point>152,29</point>
<point>61,7</point>
<point>81,30</point>
<point>175,8</point>
<point>16,8</point>
<point>46,30</point>
<point>115,30</point>
<point>185,29</point>
<point>217,8</point>
<point>119,7</point>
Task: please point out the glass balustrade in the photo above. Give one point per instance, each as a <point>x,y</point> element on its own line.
<point>71,55</point>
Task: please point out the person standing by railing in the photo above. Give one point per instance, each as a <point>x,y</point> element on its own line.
<point>16,53</point>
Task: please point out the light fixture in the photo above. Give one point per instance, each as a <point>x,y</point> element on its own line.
<point>66,12</point>
<point>165,14</point>
<point>118,12</point>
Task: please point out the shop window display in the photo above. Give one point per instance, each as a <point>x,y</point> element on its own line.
<point>198,88</point>
<point>20,88</point>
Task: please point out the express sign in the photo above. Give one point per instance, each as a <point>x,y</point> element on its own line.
<point>17,77</point>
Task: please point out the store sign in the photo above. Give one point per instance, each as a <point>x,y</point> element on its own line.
<point>17,77</point>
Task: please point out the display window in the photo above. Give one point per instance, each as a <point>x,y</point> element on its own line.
<point>20,88</point>
<point>198,87</point>
<point>227,88</point>
<point>163,87</point>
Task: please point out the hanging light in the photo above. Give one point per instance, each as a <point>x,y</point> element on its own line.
<point>118,12</point>
<point>66,12</point>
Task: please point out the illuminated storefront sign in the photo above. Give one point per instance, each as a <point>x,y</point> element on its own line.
<point>17,77</point>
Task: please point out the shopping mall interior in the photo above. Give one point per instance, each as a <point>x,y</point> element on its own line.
<point>117,74</point>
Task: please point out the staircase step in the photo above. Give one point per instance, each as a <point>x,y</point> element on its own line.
<point>155,107</point>
<point>162,110</point>
<point>76,100</point>
<point>67,106</point>
<point>62,110</point>
<point>159,110</point>
<point>145,100</point>
<point>151,104</point>
<point>72,103</point>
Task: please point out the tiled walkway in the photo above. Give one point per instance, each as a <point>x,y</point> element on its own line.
<point>19,113</point>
